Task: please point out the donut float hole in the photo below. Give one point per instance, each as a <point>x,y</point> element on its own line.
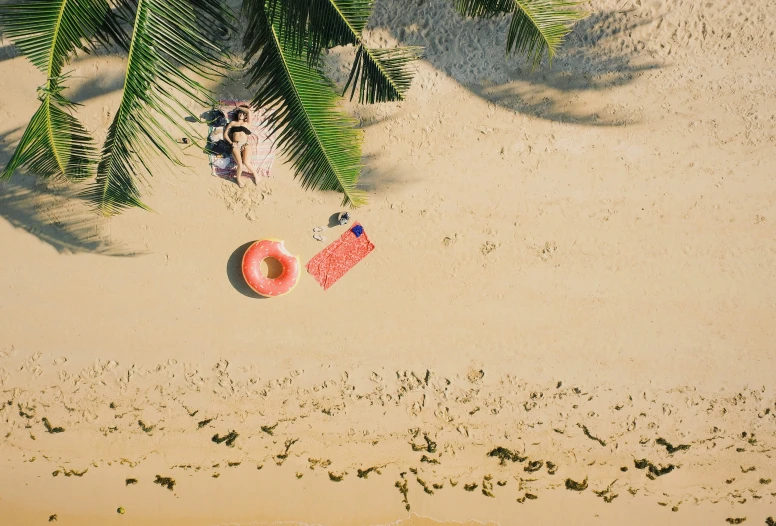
<point>271,267</point>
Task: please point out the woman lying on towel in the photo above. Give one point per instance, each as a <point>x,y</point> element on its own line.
<point>236,133</point>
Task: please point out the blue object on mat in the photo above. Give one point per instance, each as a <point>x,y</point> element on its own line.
<point>358,230</point>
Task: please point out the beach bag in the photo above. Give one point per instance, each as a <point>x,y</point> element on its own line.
<point>220,147</point>
<point>217,118</point>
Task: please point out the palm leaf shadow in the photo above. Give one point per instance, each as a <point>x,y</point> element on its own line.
<point>53,214</point>
<point>546,93</point>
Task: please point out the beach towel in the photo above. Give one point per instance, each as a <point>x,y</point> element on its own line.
<point>262,151</point>
<point>334,261</point>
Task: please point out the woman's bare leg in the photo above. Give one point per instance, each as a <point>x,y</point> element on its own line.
<point>246,158</point>
<point>238,160</point>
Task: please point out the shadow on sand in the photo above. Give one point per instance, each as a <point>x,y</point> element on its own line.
<point>234,273</point>
<point>473,55</point>
<point>54,213</point>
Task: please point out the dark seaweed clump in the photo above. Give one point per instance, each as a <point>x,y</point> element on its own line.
<point>429,460</point>
<point>576,486</point>
<point>770,522</point>
<point>529,496</point>
<point>53,518</point>
<point>269,429</point>
<point>403,489</point>
<point>129,482</point>
<point>228,439</point>
<point>504,454</point>
<point>50,428</point>
<point>670,448</point>
<point>166,482</point>
<point>203,423</point>
<point>145,428</point>
<point>534,465</point>
<point>470,487</point>
<point>586,431</point>
<point>364,473</point>
<point>551,468</point>
<point>737,520</point>
<point>336,478</point>
<point>654,471</point>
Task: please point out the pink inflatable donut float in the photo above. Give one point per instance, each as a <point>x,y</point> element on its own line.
<point>279,281</point>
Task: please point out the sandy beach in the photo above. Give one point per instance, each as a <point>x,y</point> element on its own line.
<point>569,316</point>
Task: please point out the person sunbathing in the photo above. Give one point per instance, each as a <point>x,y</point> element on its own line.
<point>236,133</point>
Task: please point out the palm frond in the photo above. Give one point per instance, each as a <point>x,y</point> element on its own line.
<point>167,34</point>
<point>537,26</point>
<point>321,141</point>
<point>49,32</point>
<point>313,25</point>
<point>384,73</point>
<point>54,144</point>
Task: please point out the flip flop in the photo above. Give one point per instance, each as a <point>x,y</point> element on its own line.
<point>318,229</point>
<point>318,237</point>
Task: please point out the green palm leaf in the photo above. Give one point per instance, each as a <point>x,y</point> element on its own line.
<point>48,32</point>
<point>54,144</point>
<point>321,141</point>
<point>537,26</point>
<point>384,73</point>
<point>167,34</point>
<point>313,25</point>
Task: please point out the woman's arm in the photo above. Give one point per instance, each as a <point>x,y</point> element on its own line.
<point>226,132</point>
<point>248,111</point>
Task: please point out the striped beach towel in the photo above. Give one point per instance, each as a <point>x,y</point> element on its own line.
<point>334,261</point>
<point>263,148</point>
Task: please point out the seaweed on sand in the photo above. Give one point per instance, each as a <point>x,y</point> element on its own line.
<point>529,496</point>
<point>654,471</point>
<point>203,423</point>
<point>551,467</point>
<point>145,428</point>
<point>50,428</point>
<point>429,460</point>
<point>424,485</point>
<point>470,487</point>
<point>487,486</point>
<point>73,472</point>
<point>228,439</point>
<point>404,490</point>
<point>364,473</point>
<point>770,522</point>
<point>269,429</point>
<point>504,454</point>
<point>737,520</point>
<point>53,518</point>
<point>586,431</point>
<point>429,447</point>
<point>166,482</point>
<point>337,478</point>
<point>284,455</point>
<point>607,494</point>
<point>130,482</point>
<point>534,465</point>
<point>671,448</point>
<point>576,486</point>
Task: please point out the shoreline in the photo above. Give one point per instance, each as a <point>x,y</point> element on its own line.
<point>472,445</point>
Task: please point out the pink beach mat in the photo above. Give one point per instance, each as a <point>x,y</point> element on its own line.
<point>334,261</point>
<point>263,151</point>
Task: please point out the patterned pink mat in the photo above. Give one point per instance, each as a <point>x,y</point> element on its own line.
<point>334,261</point>
<point>263,148</point>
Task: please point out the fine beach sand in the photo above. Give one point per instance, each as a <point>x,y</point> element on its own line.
<point>569,316</point>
